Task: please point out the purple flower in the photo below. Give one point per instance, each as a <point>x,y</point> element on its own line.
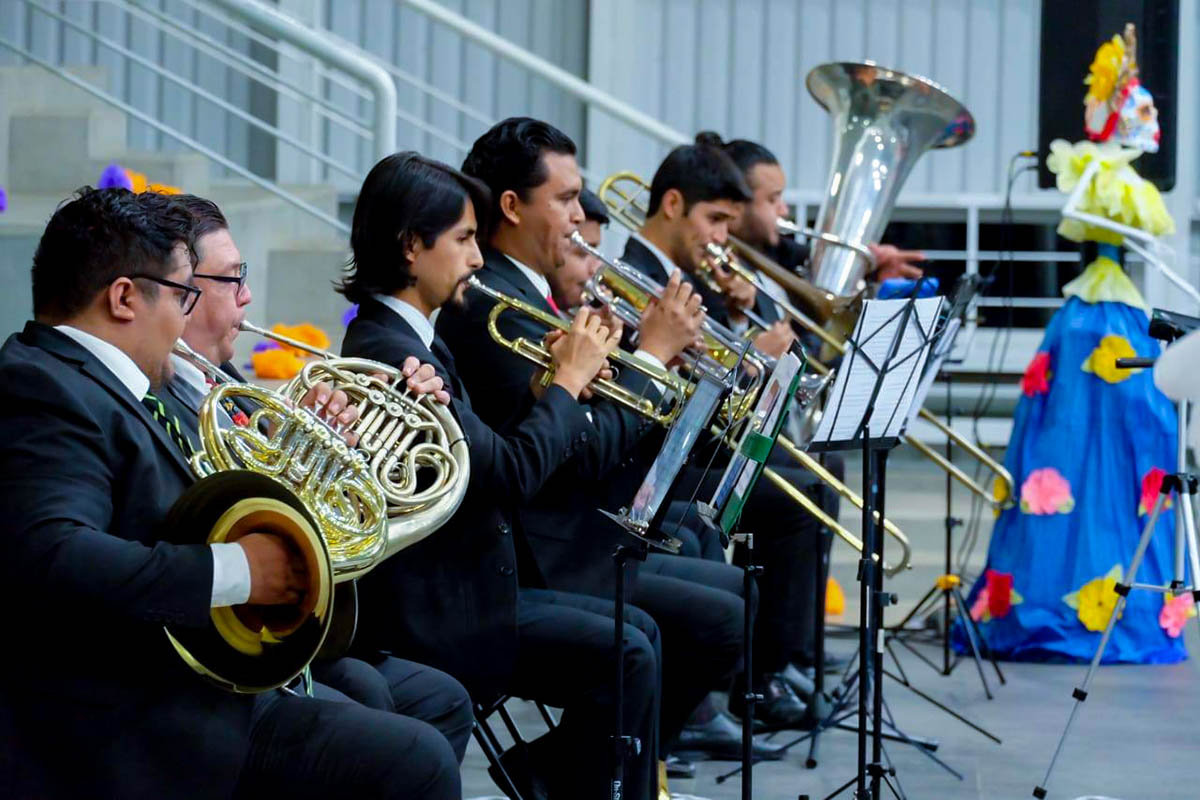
<point>266,344</point>
<point>350,314</point>
<point>3,200</point>
<point>114,177</point>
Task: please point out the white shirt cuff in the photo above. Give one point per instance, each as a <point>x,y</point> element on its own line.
<point>653,360</point>
<point>231,574</point>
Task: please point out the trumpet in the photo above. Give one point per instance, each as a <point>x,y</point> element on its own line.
<point>601,387</point>
<point>842,313</point>
<point>628,292</point>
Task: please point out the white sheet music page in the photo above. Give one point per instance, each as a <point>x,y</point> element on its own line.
<point>855,381</point>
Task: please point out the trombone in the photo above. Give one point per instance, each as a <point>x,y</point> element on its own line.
<point>628,292</point>
<point>838,312</point>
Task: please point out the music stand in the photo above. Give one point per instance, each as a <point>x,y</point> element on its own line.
<point>640,520</point>
<point>872,397</point>
<point>723,513</point>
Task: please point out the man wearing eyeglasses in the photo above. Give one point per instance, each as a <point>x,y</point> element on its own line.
<point>386,683</point>
<point>89,467</point>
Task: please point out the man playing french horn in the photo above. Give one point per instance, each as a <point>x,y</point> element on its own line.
<point>454,600</point>
<point>90,462</point>
<point>385,683</point>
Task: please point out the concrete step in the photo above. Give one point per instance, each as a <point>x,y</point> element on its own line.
<point>49,153</point>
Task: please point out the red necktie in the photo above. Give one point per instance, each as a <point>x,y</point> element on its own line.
<point>553,305</point>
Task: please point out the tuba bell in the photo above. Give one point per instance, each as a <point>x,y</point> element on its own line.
<point>883,121</point>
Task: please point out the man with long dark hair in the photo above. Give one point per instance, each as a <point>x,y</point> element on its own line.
<point>455,599</point>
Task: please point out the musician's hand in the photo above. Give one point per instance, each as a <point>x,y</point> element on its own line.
<point>892,262</point>
<point>775,340</point>
<point>580,354</point>
<point>277,572</point>
<point>334,407</point>
<point>606,373</point>
<point>671,323</point>
<point>423,379</point>
<point>739,294</point>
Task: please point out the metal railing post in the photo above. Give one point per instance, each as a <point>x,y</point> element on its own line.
<point>344,58</point>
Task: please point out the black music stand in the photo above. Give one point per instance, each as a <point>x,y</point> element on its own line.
<point>875,390</point>
<point>641,520</point>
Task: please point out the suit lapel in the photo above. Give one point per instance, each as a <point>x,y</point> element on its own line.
<point>66,349</point>
<point>501,274</point>
<point>638,255</point>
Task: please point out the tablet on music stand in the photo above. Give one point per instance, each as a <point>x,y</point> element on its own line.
<point>744,468</point>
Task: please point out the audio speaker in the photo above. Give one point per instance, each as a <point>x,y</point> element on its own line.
<point>1071,32</point>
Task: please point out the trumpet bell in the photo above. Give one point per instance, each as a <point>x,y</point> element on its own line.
<point>883,121</point>
<point>250,649</point>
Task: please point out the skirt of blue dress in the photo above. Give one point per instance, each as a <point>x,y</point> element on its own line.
<point>1085,448</point>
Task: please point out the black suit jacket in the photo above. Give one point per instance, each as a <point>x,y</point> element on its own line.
<point>570,540</point>
<point>639,256</point>
<point>451,600</point>
<point>86,477</point>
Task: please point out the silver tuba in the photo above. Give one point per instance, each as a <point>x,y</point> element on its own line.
<point>883,120</point>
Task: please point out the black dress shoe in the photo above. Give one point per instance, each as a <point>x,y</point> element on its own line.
<point>780,708</point>
<point>803,685</point>
<point>720,739</point>
<point>678,768</point>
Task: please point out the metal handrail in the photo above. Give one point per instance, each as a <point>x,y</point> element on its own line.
<point>552,73</point>
<point>196,90</point>
<point>187,141</point>
<point>345,58</point>
<point>246,65</point>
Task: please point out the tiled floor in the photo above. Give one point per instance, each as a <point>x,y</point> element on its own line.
<point>1134,738</point>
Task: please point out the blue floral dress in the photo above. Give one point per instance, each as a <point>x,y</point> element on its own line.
<point>1089,447</point>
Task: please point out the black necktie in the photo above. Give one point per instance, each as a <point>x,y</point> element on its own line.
<point>170,423</point>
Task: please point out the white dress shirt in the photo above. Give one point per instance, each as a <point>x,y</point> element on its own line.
<point>231,569</point>
<point>536,278</point>
<point>412,315</point>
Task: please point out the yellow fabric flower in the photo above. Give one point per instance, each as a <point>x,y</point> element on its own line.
<point>1106,66</point>
<point>305,332</point>
<point>1102,361</point>
<point>1103,281</point>
<point>276,364</point>
<point>1095,600</point>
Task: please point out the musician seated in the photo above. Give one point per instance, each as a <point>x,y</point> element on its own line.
<point>695,194</point>
<point>757,224</point>
<point>89,467</point>
<point>387,683</point>
<point>454,600</point>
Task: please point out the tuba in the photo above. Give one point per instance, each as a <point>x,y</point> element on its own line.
<point>883,121</point>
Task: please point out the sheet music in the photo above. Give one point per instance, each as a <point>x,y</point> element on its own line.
<point>857,375</point>
<point>941,350</point>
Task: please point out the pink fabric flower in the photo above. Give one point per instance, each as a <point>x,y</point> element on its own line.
<point>1176,612</point>
<point>1046,491</point>
<point>997,597</point>
<point>1151,486</point>
<point>1037,375</point>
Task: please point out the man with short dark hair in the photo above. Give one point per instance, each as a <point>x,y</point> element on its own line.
<point>530,167</point>
<point>88,470</point>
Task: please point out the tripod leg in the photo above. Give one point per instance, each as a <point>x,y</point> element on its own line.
<point>970,629</point>
<point>1187,513</point>
<point>985,648</point>
<point>1080,694</point>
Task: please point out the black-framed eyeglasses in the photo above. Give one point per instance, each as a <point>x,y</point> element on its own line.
<point>187,300</point>
<point>239,279</point>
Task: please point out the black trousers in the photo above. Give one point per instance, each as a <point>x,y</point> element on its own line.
<point>787,544</point>
<point>699,610</point>
<point>402,687</point>
<point>304,747</point>
<point>565,659</point>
